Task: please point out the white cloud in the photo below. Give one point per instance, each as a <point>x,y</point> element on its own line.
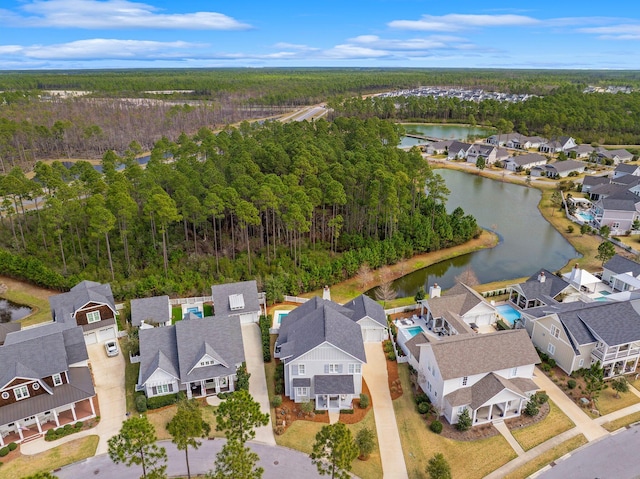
<point>455,22</point>
<point>112,14</point>
<point>101,48</point>
<point>615,30</point>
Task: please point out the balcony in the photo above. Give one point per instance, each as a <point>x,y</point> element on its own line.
<point>603,356</point>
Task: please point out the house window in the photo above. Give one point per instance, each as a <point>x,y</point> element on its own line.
<point>21,392</point>
<point>333,368</point>
<point>301,370</point>
<point>581,363</point>
<point>551,349</point>
<point>555,332</point>
<point>465,380</point>
<point>162,389</point>
<point>36,386</point>
<point>208,362</point>
<point>355,368</point>
<point>302,392</point>
<point>615,225</point>
<point>93,317</point>
<point>57,379</point>
<point>461,409</point>
<point>514,372</point>
<point>5,395</point>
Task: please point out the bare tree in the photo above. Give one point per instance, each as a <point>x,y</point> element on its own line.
<point>468,277</point>
<point>364,275</point>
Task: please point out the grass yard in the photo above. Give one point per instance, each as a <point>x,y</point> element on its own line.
<point>68,453</point>
<point>40,311</point>
<point>468,459</point>
<point>555,423</point>
<point>176,314</point>
<point>607,402</point>
<point>160,417</point>
<point>547,457</point>
<point>622,422</point>
<point>130,377</point>
<point>302,434</point>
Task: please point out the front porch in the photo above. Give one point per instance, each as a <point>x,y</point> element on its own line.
<point>210,387</point>
<point>497,412</point>
<point>334,402</point>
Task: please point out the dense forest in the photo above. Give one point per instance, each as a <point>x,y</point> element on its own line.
<point>295,205</point>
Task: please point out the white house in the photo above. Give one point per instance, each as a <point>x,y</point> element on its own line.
<point>559,169</point>
<point>458,150</point>
<point>462,302</point>
<point>556,145</point>
<point>491,154</point>
<point>621,273</point>
<point>490,375</point>
<point>237,299</point>
<point>523,162</point>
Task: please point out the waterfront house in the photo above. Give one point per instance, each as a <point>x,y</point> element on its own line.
<point>524,162</point>
<point>151,312</point>
<point>540,289</point>
<point>458,309</point>
<point>590,182</point>
<point>490,375</point>
<point>618,211</point>
<point>458,150</point>
<point>237,299</point>
<point>489,153</point>
<point>438,147</point>
<point>199,356</point>
<point>622,274</point>
<point>558,169</point>
<point>557,145</point>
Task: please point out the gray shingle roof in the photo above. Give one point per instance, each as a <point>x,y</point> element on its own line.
<point>457,146</point>
<point>595,180</point>
<point>6,328</point>
<point>333,384</point>
<point>624,201</point>
<point>363,306</point>
<point>221,293</point>
<point>158,349</point>
<point>619,264</point>
<point>552,286</point>
<point>65,304</point>
<point>567,165</point>
<point>615,323</point>
<point>527,159</point>
<point>567,313</point>
<point>459,299</point>
<point>151,310</point>
<point>301,382</point>
<point>626,168</point>
<point>466,355</point>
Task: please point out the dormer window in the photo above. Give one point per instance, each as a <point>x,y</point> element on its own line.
<point>236,302</point>
<point>93,317</point>
<point>21,392</point>
<point>57,379</point>
<point>207,362</point>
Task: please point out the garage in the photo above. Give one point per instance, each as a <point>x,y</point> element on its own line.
<point>90,338</point>
<point>373,335</point>
<point>105,334</point>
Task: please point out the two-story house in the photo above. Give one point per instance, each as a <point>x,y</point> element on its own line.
<point>199,356</point>
<point>89,305</point>
<point>321,345</point>
<point>622,274</point>
<point>45,381</point>
<point>460,301</point>
<point>540,289</point>
<point>490,375</point>
<point>491,154</point>
<point>458,150</point>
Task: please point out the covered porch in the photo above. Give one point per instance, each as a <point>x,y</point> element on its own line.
<point>211,386</point>
<point>498,411</point>
<point>333,392</point>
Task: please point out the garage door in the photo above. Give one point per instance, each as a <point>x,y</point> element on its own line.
<point>90,338</point>
<point>373,335</point>
<point>105,334</point>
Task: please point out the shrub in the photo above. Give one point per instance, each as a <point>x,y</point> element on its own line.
<point>364,401</point>
<point>141,403</point>
<point>78,425</point>
<point>551,362</point>
<point>545,367</point>
<point>4,451</point>
<point>366,441</point>
<point>279,388</point>
<point>67,427</point>
<point>265,325</point>
<point>464,421</point>
<point>391,356</point>
<point>531,409</point>
<point>12,446</point>
<point>387,346</point>
<point>307,407</point>
<point>571,383</point>
<point>276,401</point>
<point>570,229</point>
<point>424,407</point>
<point>161,401</point>
<point>541,397</point>
<point>346,411</point>
<point>278,430</point>
<point>436,426</point>
<point>421,397</point>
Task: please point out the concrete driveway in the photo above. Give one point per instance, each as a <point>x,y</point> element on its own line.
<point>108,377</point>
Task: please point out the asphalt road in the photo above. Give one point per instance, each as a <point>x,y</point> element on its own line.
<point>614,457</point>
<point>278,462</point>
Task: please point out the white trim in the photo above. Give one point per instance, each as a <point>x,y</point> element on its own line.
<point>57,379</point>
<point>91,317</point>
<point>21,395</point>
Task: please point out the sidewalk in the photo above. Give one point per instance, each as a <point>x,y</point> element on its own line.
<point>612,416</point>
<point>375,375</point>
<point>258,381</point>
<point>504,430</point>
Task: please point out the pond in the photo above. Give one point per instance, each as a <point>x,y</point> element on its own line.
<point>527,241</point>
<point>11,311</point>
<point>446,132</point>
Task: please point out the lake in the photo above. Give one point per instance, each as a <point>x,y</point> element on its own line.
<point>527,241</point>
<point>446,132</point>
<point>11,311</point>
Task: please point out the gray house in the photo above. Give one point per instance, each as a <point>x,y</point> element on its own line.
<point>458,150</point>
<point>199,356</point>
<point>523,162</point>
<point>236,299</point>
<point>322,349</point>
<point>559,169</point>
<point>540,289</point>
<point>154,311</point>
<point>621,273</point>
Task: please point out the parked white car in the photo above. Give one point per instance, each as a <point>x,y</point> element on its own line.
<point>111,347</point>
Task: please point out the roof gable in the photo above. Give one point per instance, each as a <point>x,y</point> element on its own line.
<point>235,298</point>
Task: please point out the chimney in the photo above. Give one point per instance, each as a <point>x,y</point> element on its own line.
<point>326,294</point>
<point>574,273</point>
<point>434,291</point>
<point>541,277</point>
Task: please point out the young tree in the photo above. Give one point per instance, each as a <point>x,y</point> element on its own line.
<point>620,385</point>
<point>136,444</point>
<point>242,378</point>
<point>334,451</point>
<point>238,417</point>
<point>606,251</point>
<point>366,441</point>
<point>234,461</point>
<point>438,467</point>
<point>186,426</point>
<point>464,421</point>
<point>481,163</point>
<point>594,379</point>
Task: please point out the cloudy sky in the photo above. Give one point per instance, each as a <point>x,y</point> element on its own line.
<point>69,34</point>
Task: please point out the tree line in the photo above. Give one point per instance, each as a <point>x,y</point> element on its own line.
<point>296,206</point>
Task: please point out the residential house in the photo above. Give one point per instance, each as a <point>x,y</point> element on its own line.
<point>371,318</point>
<point>504,139</point>
<point>150,312</point>
<point>237,299</point>
<point>624,169</point>
<point>614,156</point>
<point>577,334</point>
<point>458,150</point>
<point>490,375</point>
<point>199,356</point>
<point>540,289</point>
<point>459,304</point>
<point>557,145</point>
<point>590,182</point>
<point>524,162</point>
<point>621,273</point>
<point>558,169</point>
<point>489,153</point>
<point>618,211</point>
<point>580,151</point>
<point>438,147</point>
<point>89,305</point>
<point>45,381</point>
<point>322,348</point>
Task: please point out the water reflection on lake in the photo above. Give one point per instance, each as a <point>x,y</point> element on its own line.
<point>11,311</point>
<point>446,132</point>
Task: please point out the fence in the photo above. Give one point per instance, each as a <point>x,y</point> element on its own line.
<point>295,299</point>
<point>402,309</point>
<point>195,299</point>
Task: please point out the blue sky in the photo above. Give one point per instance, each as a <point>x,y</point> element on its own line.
<point>69,34</point>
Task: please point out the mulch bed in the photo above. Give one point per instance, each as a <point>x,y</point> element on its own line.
<point>395,385</point>
<point>524,420</point>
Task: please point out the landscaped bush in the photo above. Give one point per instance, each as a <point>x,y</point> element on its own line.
<point>387,346</point>
<point>531,409</point>
<point>53,434</point>
<point>12,446</point>
<point>424,407</point>
<point>436,426</point>
<point>276,401</point>
<point>391,356</point>
<point>571,383</point>
<point>265,325</point>
<point>546,367</point>
<point>278,378</point>
<point>161,401</point>
<point>422,397</point>
<point>551,362</point>
<point>141,403</point>
<point>346,411</point>
<point>364,401</point>
<point>541,397</point>
<point>464,421</point>
<point>4,451</point>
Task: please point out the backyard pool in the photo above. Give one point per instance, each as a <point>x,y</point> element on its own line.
<point>509,313</point>
<point>412,331</point>
<point>586,217</point>
<point>277,317</point>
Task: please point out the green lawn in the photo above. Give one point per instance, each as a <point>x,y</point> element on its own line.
<point>468,459</point>
<point>130,377</point>
<point>160,417</point>
<point>68,453</point>
<point>607,401</point>
<point>176,314</point>
<point>555,423</point>
<point>622,422</point>
<point>547,457</point>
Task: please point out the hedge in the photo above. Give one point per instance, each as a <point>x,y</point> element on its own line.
<point>157,402</point>
<point>141,403</point>
<point>34,271</point>
<point>265,325</point>
<point>53,434</point>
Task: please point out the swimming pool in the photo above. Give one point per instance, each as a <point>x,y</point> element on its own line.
<point>412,331</point>
<point>278,315</point>
<point>586,217</point>
<point>509,313</point>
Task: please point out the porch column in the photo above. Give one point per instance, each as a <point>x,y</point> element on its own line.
<point>38,424</point>
<point>55,417</point>
<point>93,409</point>
<point>231,383</point>
<point>19,428</point>
<point>217,383</point>
<point>520,406</point>
<point>473,416</point>
<point>73,412</point>
<point>490,415</point>
<point>189,395</point>
<point>1,441</point>
<point>506,409</point>
<point>203,391</point>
